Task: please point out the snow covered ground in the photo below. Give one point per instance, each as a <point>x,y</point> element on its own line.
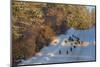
<point>58,51</point>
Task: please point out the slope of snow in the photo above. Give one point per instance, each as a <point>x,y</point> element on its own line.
<point>84,35</point>
<point>59,52</point>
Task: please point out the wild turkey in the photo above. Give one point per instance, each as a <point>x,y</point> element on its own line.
<point>74,46</point>
<point>59,51</point>
<point>70,39</point>
<point>65,41</point>
<point>71,49</point>
<point>76,37</point>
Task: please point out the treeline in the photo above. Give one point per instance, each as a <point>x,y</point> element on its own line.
<point>34,25</point>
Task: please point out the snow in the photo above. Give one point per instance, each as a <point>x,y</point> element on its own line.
<point>51,54</point>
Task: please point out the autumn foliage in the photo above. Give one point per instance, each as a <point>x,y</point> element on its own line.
<point>35,24</point>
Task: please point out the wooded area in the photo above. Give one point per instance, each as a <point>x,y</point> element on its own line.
<point>34,25</point>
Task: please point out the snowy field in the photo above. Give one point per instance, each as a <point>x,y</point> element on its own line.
<point>61,50</point>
